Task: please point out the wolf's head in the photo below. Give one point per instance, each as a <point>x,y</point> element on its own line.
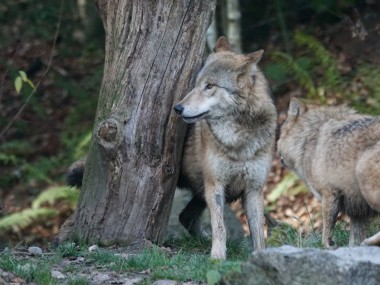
<point>224,78</point>
<point>288,145</point>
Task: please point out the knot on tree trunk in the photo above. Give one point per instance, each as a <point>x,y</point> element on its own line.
<point>109,135</point>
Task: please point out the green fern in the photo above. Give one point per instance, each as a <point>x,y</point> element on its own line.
<point>17,221</point>
<point>52,195</point>
<point>322,58</point>
<point>7,159</point>
<point>290,64</point>
<point>82,148</point>
<point>316,70</point>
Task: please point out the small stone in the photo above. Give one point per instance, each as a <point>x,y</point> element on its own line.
<point>35,250</point>
<point>57,274</point>
<point>93,248</point>
<point>131,281</point>
<point>80,259</point>
<point>101,278</point>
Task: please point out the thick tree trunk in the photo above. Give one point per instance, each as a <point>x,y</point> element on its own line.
<point>153,51</point>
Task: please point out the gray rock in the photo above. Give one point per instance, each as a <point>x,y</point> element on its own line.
<point>35,250</point>
<point>93,248</point>
<point>295,266</point>
<point>57,274</point>
<point>181,198</point>
<point>165,282</point>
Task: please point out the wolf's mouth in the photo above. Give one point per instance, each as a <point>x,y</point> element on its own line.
<point>193,119</point>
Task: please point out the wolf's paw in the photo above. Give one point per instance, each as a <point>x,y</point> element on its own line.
<point>217,258</point>
<point>330,244</point>
<point>218,254</point>
<point>365,242</point>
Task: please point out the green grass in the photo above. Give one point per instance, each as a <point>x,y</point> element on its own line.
<point>182,259</point>
<point>79,281</point>
<point>35,269</point>
<point>236,250</point>
<point>284,234</point>
<point>188,262</point>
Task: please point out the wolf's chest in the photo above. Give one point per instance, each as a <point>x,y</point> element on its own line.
<point>231,173</point>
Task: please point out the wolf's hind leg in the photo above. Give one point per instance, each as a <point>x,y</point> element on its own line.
<point>358,230</point>
<point>254,209</point>
<point>367,173</point>
<point>191,215</point>
<point>373,240</point>
<point>330,210</point>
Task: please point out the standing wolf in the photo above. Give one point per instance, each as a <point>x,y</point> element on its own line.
<point>337,153</point>
<point>229,148</point>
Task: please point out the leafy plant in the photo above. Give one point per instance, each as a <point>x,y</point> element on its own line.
<point>290,184</point>
<point>213,277</point>
<point>53,194</point>
<point>315,69</point>
<point>322,59</point>
<point>295,68</point>
<point>21,79</point>
<point>17,221</point>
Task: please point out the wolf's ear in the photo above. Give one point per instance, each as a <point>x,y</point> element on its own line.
<point>296,108</point>
<point>249,62</point>
<point>222,44</point>
<point>255,57</point>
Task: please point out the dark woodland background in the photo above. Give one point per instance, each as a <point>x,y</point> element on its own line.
<point>325,51</point>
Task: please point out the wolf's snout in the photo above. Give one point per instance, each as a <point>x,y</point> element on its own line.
<point>178,109</point>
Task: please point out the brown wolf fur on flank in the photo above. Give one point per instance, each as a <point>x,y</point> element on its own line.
<point>229,148</point>
<point>336,151</point>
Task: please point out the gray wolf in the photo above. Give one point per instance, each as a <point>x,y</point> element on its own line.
<point>229,145</point>
<point>336,151</point>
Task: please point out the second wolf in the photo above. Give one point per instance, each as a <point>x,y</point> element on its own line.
<point>337,153</point>
<point>228,151</point>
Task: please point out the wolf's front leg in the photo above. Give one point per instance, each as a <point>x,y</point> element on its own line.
<point>254,209</point>
<point>215,201</point>
<point>330,210</point>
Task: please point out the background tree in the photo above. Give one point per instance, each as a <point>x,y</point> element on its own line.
<point>153,50</point>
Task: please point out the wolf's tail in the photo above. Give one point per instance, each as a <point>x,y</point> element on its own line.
<point>74,174</point>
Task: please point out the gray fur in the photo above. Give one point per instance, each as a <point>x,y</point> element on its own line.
<point>336,151</point>
<point>228,151</point>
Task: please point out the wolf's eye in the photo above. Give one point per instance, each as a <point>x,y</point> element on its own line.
<point>209,86</point>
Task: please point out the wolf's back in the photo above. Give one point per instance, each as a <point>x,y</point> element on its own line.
<point>74,174</point>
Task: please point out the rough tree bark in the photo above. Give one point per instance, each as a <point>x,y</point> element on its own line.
<point>153,51</point>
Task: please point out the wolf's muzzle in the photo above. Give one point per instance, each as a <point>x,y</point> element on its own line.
<point>178,109</point>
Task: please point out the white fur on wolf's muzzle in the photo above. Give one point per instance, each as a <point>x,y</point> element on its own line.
<point>195,106</point>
